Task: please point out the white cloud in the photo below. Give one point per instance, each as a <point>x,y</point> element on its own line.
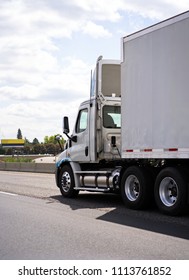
<point>95,30</point>
<point>113,10</point>
<point>41,79</point>
<point>38,80</point>
<point>156,9</point>
<point>37,119</point>
<point>100,10</point>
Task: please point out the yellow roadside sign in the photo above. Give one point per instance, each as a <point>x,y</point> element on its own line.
<point>12,143</point>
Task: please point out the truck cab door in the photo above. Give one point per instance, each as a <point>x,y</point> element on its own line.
<point>80,150</point>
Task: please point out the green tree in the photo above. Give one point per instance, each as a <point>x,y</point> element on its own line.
<point>52,140</point>
<point>27,142</point>
<point>27,149</point>
<point>46,139</point>
<point>2,151</point>
<point>49,140</point>
<point>50,148</point>
<point>38,149</point>
<point>19,134</point>
<point>35,141</point>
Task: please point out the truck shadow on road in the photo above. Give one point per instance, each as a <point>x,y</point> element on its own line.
<point>114,211</point>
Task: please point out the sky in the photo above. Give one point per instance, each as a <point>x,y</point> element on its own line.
<point>48,48</point>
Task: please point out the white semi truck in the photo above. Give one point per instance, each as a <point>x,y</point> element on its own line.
<point>132,135</point>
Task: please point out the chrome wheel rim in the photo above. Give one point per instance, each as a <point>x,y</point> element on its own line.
<point>66,181</point>
<point>132,188</point>
<point>168,191</point>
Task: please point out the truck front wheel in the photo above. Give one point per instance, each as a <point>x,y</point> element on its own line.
<point>136,188</point>
<point>171,191</point>
<point>66,182</point>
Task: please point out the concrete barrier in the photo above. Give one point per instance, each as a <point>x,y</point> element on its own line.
<point>12,166</point>
<point>45,167</point>
<point>2,165</point>
<point>28,167</point>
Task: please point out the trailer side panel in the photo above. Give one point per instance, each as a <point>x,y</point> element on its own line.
<point>155,91</point>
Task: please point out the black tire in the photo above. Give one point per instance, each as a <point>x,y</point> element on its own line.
<point>66,182</point>
<point>137,188</point>
<point>170,191</point>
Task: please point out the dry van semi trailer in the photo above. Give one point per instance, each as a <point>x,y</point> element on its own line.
<point>132,135</point>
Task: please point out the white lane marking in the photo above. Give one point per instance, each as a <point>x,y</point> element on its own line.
<point>7,193</point>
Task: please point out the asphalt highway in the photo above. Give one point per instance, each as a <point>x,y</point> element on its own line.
<point>38,223</point>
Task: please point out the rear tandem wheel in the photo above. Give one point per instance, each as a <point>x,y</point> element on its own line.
<point>171,191</point>
<point>137,187</point>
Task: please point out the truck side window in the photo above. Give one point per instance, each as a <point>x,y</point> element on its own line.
<point>111,116</point>
<point>81,124</point>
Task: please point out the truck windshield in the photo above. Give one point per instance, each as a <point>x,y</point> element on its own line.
<point>112,116</point>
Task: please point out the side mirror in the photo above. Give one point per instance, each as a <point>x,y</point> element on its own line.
<point>66,128</point>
